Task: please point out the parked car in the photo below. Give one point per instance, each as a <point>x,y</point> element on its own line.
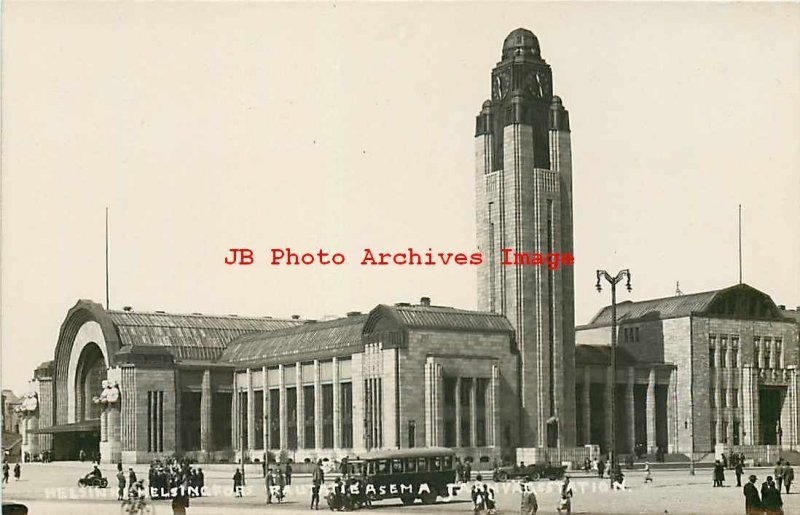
<point>537,471</point>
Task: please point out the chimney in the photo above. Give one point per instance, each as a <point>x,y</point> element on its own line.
<point>295,317</point>
<point>782,307</point>
<point>353,313</point>
<point>127,308</point>
<point>425,301</point>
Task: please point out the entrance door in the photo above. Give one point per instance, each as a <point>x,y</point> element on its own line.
<point>770,404</point>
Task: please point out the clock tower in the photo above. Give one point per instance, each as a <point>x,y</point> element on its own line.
<point>524,202</point>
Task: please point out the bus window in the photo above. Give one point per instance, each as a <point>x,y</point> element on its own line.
<point>397,466</point>
<point>382,467</point>
<point>422,465</point>
<point>448,463</point>
<point>409,465</point>
<point>436,463</point>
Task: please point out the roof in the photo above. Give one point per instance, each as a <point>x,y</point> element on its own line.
<point>440,317</point>
<point>317,339</point>
<point>741,301</point>
<point>416,452</point>
<point>194,336</point>
<point>601,355</point>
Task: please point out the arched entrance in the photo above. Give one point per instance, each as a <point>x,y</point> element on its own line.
<point>90,372</point>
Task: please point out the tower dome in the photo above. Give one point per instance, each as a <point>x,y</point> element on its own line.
<point>521,42</point>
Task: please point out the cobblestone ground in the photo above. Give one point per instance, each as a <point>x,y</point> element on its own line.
<point>52,489</point>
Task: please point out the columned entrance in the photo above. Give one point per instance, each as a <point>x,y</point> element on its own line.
<point>770,406</point>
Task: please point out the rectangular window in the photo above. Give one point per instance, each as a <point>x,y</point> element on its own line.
<point>735,352</point>
<point>241,398</point>
<point>466,392</point>
<point>724,432</point>
<point>767,353</point>
<point>724,397</point>
<point>291,418</point>
<point>258,417</point>
<point>713,434</point>
<point>713,397</point>
<point>155,417</point>
<point>734,398</point>
<point>757,352</point>
<point>449,412</point>
<point>275,418</point>
<point>309,429</point>
<point>412,435</point>
<point>723,357</point>
<point>346,409</point>
<point>712,356</point>
<point>327,416</point>
<point>636,334</point>
<point>480,408</point>
<point>779,352</point>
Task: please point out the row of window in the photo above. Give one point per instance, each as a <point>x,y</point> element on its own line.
<point>630,335</point>
<point>724,437</point>
<point>724,398</point>
<point>723,355</point>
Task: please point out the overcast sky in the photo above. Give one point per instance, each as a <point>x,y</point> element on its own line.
<point>210,126</point>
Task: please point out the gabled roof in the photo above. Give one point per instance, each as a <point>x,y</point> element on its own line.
<point>310,340</point>
<point>188,336</point>
<point>439,317</point>
<point>740,301</point>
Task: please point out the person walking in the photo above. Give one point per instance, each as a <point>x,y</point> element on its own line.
<point>120,484</point>
<point>528,504</point>
<point>771,497</point>
<point>601,467</point>
<point>180,503</point>
<point>5,472</point>
<point>648,475</point>
<point>752,501</point>
<point>778,473</point>
<point>281,483</point>
<point>317,479</point>
<point>269,482</point>
<point>467,471</point>
<point>788,475</point>
<point>288,474</point>
<point>719,473</point>
<point>17,471</point>
<point>82,455</point>
<point>237,483</point>
<point>565,503</point>
<point>739,471</point>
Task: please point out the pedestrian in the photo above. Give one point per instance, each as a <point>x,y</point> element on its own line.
<point>120,484</point>
<point>317,479</point>
<point>601,467</point>
<point>739,471</point>
<point>779,473</point>
<point>788,475</point>
<point>459,471</point>
<point>17,471</point>
<point>288,474</point>
<point>281,483</point>
<point>565,502</point>
<point>200,480</point>
<point>5,472</point>
<point>269,482</point>
<point>752,501</point>
<point>488,499</point>
<point>528,504</point>
<point>719,473</point>
<point>771,497</point>
<point>467,471</point>
<point>180,503</point>
<point>237,483</point>
<point>131,477</point>
<point>648,476</point>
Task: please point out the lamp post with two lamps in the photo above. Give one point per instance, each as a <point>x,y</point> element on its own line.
<point>622,274</point>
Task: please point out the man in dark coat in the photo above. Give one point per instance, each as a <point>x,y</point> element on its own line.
<point>739,471</point>
<point>237,483</point>
<point>719,473</point>
<point>771,498</point>
<point>752,502</point>
<point>788,475</point>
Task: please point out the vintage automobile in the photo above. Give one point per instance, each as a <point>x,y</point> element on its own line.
<point>13,508</point>
<point>537,471</point>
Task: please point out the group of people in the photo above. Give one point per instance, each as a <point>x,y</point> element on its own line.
<point>275,480</point>
<point>41,457</point>
<point>529,504</point>
<point>7,468</point>
<point>170,477</point>
<point>464,471</point>
<point>769,502</point>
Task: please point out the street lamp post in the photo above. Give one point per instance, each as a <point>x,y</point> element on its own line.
<point>622,274</point>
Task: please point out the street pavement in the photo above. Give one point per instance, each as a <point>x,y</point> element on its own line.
<point>52,489</point>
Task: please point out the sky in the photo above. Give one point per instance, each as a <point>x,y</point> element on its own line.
<point>209,126</point>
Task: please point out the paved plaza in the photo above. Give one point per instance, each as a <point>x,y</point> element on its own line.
<point>52,489</point>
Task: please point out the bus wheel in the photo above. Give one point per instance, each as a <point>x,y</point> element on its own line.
<point>502,475</point>
<point>428,498</point>
<point>535,476</point>
<point>407,499</point>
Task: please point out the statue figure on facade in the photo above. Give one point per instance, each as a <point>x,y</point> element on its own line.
<point>29,404</point>
<point>110,394</point>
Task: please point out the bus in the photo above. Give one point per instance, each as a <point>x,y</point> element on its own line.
<point>408,474</point>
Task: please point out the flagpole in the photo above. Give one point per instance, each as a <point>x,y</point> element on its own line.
<point>740,244</point>
<point>106,257</point>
